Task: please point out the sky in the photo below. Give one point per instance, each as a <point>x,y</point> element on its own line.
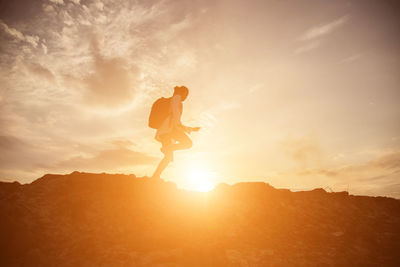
<point>299,94</point>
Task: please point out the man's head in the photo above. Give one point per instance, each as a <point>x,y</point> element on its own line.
<point>182,91</point>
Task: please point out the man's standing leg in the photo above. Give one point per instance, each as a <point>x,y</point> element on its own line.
<point>168,155</point>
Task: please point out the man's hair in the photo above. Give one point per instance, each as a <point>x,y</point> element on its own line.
<point>181,90</point>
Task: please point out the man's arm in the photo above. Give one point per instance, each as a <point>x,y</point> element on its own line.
<point>176,111</point>
<point>176,115</point>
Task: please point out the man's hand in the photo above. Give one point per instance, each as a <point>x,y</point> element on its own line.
<point>191,129</point>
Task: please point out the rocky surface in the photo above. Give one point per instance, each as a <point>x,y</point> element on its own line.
<point>84,219</point>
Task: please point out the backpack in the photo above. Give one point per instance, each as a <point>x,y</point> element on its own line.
<point>159,112</point>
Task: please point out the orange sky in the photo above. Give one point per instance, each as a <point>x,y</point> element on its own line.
<point>300,94</point>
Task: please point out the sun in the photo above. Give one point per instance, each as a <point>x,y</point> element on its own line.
<point>197,176</point>
<point>200,180</point>
<point>195,173</point>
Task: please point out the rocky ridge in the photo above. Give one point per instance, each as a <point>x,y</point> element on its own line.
<point>84,219</point>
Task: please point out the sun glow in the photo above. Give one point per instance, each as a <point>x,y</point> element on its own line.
<point>201,181</point>
<point>199,178</point>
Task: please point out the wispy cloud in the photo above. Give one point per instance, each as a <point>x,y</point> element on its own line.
<point>307,47</point>
<point>351,58</point>
<point>318,31</point>
<point>311,38</point>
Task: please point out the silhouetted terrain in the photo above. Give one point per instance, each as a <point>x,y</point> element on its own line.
<point>84,219</point>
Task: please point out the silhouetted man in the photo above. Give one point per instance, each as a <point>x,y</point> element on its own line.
<point>170,131</point>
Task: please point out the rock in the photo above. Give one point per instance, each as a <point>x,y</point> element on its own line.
<point>337,234</point>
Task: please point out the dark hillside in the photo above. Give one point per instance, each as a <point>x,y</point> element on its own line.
<point>84,219</point>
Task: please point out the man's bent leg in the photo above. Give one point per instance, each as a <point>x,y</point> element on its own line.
<point>184,142</point>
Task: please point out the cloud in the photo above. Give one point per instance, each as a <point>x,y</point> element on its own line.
<point>308,47</point>
<point>111,83</point>
<point>351,58</point>
<point>51,118</point>
<point>109,159</point>
<point>388,162</point>
<point>44,48</point>
<point>311,37</point>
<point>256,87</point>
<point>99,5</point>
<point>11,31</point>
<point>316,32</point>
<point>16,153</point>
<point>305,151</point>
<point>59,2</point>
<point>121,143</point>
<point>377,176</point>
<point>330,173</point>
<point>40,71</point>
<point>142,47</point>
<point>19,157</point>
<point>8,142</point>
<point>31,39</point>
